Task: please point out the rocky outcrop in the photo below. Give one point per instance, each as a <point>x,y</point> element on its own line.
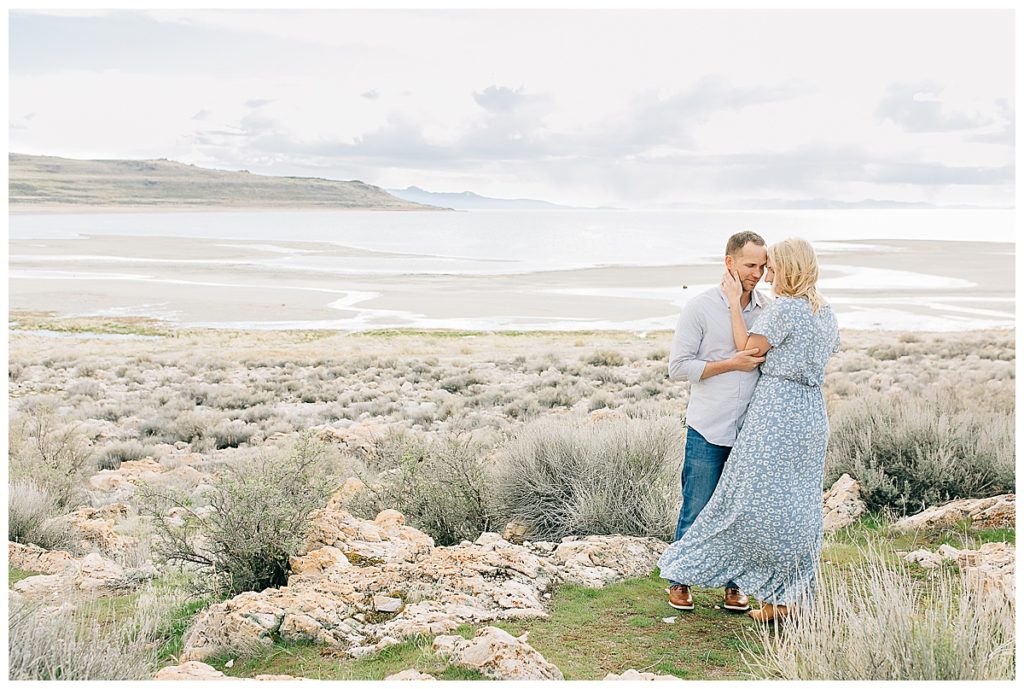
<point>496,653</point>
<point>92,574</point>
<point>596,561</point>
<point>121,483</point>
<point>364,595</point>
<point>35,559</point>
<point>842,504</point>
<point>984,513</point>
<point>991,567</point>
<point>193,671</point>
<point>95,527</point>
<point>385,539</point>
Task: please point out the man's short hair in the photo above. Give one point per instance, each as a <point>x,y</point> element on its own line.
<point>740,240</point>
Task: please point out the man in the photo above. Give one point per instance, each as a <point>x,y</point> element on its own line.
<point>721,384</point>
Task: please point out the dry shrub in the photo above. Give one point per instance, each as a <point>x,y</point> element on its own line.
<point>567,475</point>
<point>48,453</point>
<point>877,623</point>
<point>260,516</point>
<point>913,451</point>
<point>442,486</point>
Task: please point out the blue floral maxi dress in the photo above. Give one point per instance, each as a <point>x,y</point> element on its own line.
<point>762,527</point>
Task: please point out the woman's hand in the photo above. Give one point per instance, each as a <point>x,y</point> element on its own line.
<point>732,287</point>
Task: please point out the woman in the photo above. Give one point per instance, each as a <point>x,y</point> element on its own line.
<point>762,527</point>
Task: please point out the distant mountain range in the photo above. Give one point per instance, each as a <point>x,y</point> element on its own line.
<point>809,204</point>
<point>51,182</point>
<point>468,200</point>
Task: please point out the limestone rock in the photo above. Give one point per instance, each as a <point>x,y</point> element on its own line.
<point>97,572</point>
<point>93,573</point>
<point>924,558</point>
<point>386,603</point>
<point>386,538</point>
<point>411,674</point>
<point>635,675</point>
<point>191,671</point>
<point>992,567</point>
<point>515,531</point>
<point>496,653</point>
<point>135,469</point>
<point>36,559</point>
<point>599,560</point>
<point>95,526</point>
<point>316,563</point>
<point>251,619</point>
<point>985,513</point>
<point>842,504</point>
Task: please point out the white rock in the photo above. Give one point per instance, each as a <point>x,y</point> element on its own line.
<point>411,674</point>
<point>635,675</point>
<point>924,558</point>
<point>496,653</point>
<point>386,604</point>
<point>842,504</point>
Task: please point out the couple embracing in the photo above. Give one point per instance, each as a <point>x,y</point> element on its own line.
<point>751,518</point>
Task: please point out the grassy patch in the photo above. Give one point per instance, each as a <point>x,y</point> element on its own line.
<point>315,661</point>
<point>14,575</point>
<point>592,632</point>
<point>177,625</point>
<point>112,326</point>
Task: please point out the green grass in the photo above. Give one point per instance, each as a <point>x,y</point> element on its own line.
<point>14,575</point>
<point>315,661</point>
<point>592,632</point>
<point>177,625</point>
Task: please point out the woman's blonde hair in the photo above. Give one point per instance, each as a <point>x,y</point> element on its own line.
<point>796,271</point>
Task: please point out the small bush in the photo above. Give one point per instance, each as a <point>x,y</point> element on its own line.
<point>442,487</point>
<point>910,452</point>
<point>606,357</point>
<point>877,623</point>
<point>260,515</point>
<point>30,511</point>
<point>128,451</point>
<point>570,476</point>
<point>48,453</point>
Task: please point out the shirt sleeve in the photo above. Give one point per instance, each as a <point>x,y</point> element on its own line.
<point>774,323</point>
<point>683,363</point>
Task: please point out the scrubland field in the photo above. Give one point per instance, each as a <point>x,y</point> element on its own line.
<point>563,434</point>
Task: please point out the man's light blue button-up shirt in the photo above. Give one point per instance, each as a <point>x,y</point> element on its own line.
<point>704,333</point>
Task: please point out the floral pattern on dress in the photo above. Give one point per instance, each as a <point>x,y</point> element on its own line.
<point>762,527</point>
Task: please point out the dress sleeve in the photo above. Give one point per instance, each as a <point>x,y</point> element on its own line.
<point>774,323</point>
<point>837,342</point>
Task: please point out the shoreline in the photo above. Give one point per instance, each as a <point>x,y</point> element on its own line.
<point>252,284</point>
<point>62,209</point>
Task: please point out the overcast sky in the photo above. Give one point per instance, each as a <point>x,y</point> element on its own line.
<point>590,107</point>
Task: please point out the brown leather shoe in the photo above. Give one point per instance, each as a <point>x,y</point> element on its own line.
<point>736,600</point>
<point>679,597</point>
<point>770,613</point>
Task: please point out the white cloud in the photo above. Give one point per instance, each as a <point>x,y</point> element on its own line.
<point>579,106</point>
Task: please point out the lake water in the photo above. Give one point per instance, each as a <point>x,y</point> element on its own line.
<point>482,243</point>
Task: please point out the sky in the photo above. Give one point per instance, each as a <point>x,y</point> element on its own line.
<point>626,108</point>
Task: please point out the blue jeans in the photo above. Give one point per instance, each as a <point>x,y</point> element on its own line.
<point>702,467</point>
